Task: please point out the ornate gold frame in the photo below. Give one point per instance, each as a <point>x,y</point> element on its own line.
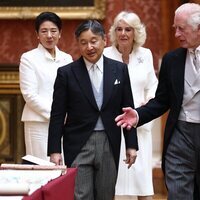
<point>94,12</point>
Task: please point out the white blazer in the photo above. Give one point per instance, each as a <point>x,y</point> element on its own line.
<point>141,71</point>
<point>38,71</point>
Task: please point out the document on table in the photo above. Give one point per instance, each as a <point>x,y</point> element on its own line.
<point>36,160</point>
<point>25,181</point>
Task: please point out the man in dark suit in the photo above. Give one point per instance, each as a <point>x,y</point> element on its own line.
<point>179,92</point>
<point>91,100</point>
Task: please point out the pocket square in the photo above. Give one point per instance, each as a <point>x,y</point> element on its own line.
<point>116,82</point>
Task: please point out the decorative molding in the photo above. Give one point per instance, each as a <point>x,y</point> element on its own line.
<point>9,77</point>
<point>97,11</point>
<point>11,128</point>
<point>9,82</point>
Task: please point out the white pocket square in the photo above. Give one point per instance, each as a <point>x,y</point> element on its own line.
<point>116,82</point>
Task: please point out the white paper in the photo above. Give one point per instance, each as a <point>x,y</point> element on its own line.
<point>5,166</point>
<point>11,197</point>
<point>33,178</point>
<point>37,160</point>
<point>14,188</point>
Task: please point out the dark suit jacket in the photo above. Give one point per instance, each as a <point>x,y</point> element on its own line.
<point>169,94</point>
<point>73,95</point>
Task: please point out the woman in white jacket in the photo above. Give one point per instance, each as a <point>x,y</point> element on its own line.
<point>38,69</point>
<point>127,35</point>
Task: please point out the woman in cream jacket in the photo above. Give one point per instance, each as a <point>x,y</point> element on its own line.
<point>38,69</point>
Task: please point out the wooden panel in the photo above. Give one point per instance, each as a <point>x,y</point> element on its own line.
<point>158,181</point>
<point>167,11</point>
<point>11,127</point>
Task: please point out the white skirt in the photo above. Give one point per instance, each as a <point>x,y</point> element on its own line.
<point>36,136</point>
<point>137,181</point>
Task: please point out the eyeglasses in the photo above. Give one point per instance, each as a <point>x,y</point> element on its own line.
<point>51,32</point>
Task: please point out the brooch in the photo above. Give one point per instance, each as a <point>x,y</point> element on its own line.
<point>140,60</point>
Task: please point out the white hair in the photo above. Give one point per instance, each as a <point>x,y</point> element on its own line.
<point>133,21</point>
<point>192,12</point>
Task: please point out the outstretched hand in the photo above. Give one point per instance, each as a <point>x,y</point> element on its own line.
<point>128,119</point>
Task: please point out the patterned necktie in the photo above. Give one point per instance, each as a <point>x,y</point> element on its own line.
<point>196,60</point>
<point>95,76</point>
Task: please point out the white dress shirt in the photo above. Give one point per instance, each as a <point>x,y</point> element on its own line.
<point>89,66</point>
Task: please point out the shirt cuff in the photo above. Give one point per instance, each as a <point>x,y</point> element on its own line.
<point>137,119</point>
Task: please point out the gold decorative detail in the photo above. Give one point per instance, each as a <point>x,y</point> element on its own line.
<point>95,12</point>
<point>9,77</point>
<point>9,82</point>
<point>2,128</point>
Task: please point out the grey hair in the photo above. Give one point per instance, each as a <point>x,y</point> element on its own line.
<point>192,11</point>
<point>133,21</point>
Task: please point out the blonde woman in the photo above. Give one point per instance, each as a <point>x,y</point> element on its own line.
<point>127,35</point>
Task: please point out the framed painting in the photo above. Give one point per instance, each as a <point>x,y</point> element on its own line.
<point>66,9</point>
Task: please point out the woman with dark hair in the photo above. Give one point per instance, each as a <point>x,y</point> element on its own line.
<point>38,69</point>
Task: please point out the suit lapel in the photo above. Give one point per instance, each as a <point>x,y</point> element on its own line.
<point>178,72</point>
<point>83,79</point>
<point>109,76</point>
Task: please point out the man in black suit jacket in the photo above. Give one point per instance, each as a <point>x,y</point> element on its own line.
<point>91,138</point>
<point>179,92</point>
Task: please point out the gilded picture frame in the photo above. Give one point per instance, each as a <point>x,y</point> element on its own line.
<point>66,9</point>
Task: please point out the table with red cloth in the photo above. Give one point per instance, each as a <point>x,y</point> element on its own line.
<point>61,188</point>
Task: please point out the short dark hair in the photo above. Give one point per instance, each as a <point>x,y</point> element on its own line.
<point>47,16</point>
<point>92,25</point>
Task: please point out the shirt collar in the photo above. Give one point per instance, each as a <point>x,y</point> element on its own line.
<point>192,50</point>
<point>47,54</point>
<point>99,63</point>
<point>198,49</point>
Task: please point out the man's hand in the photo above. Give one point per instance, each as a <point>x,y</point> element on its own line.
<point>131,155</point>
<point>128,119</point>
<point>56,158</point>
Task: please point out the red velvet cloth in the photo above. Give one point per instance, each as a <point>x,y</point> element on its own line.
<point>61,188</point>
<point>36,195</point>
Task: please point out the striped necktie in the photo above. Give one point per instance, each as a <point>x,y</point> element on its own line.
<point>196,60</point>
